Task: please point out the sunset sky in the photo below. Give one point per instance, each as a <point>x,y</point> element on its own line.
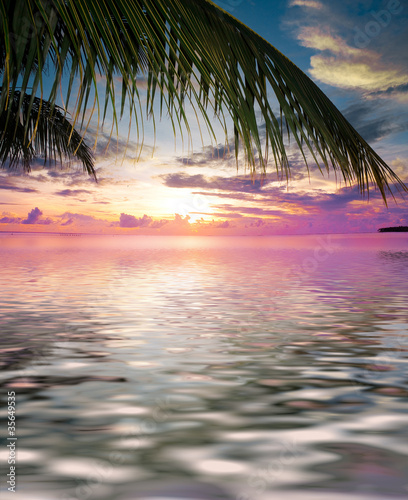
<point>355,51</point>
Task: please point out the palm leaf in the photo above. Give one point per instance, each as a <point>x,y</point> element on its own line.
<point>54,137</point>
<point>188,50</point>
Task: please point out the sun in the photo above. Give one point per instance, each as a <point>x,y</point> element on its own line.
<point>195,205</point>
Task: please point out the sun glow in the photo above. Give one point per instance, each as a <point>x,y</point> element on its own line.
<point>193,205</point>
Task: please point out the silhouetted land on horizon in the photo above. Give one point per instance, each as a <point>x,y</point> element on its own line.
<point>397,229</point>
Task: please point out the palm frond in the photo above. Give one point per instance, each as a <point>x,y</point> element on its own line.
<point>188,50</point>
<point>32,129</point>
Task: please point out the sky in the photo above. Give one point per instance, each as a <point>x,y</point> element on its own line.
<point>356,53</point>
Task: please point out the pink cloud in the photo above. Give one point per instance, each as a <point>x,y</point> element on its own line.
<point>33,216</point>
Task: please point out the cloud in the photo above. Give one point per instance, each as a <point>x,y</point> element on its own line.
<point>278,204</point>
<point>10,187</point>
<point>83,222</point>
<point>132,221</point>
<point>113,147</point>
<point>400,167</point>
<point>179,223</point>
<point>77,178</point>
<point>375,119</point>
<point>353,56</point>
<point>68,222</point>
<point>342,65</point>
<point>258,223</point>
<point>46,221</point>
<point>230,195</point>
<point>224,215</point>
<point>250,210</point>
<point>147,225</point>
<point>306,3</point>
<point>357,72</point>
<point>396,90</point>
<point>72,192</point>
<point>209,155</point>
<point>10,220</point>
<point>85,219</point>
<point>316,38</point>
<point>34,217</point>
<point>238,183</point>
<point>80,221</point>
<point>223,225</point>
<point>269,199</point>
<point>156,224</point>
<point>73,177</point>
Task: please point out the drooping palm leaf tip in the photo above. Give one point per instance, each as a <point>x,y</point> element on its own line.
<point>184,50</point>
<point>29,128</point>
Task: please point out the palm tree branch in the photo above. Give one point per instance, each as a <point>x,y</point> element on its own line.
<point>193,49</point>
<point>54,137</point>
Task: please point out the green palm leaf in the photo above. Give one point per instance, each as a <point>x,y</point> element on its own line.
<point>29,128</point>
<point>187,50</point>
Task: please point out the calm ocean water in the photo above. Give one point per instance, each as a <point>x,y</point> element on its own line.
<point>205,368</point>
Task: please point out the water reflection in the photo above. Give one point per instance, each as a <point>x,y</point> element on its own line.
<point>207,367</point>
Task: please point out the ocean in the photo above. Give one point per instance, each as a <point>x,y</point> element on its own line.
<point>186,368</point>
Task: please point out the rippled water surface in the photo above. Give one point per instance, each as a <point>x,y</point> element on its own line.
<point>206,368</point>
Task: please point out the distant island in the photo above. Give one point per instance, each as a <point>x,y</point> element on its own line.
<point>397,229</point>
